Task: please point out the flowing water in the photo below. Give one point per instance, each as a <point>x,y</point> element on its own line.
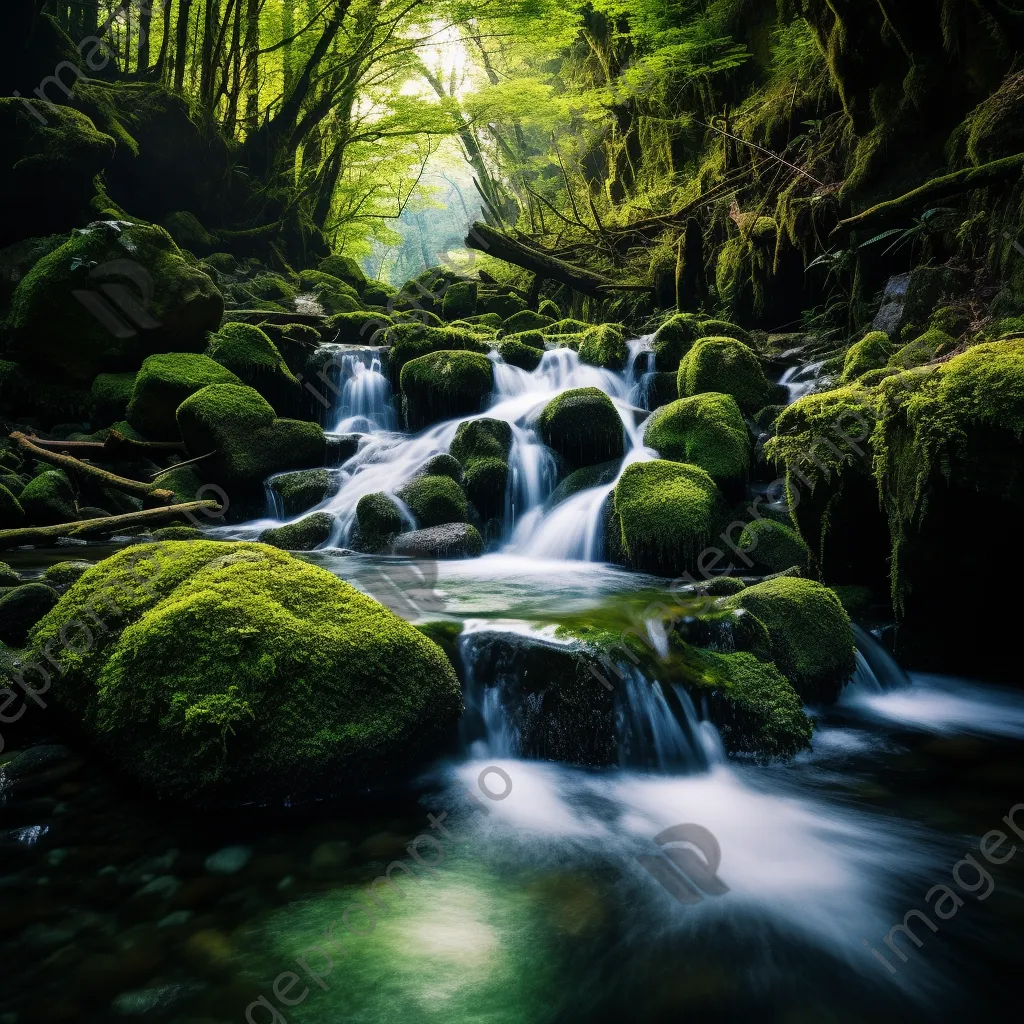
<point>536,891</point>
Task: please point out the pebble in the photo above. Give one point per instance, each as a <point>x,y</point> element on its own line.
<point>229,861</point>
<point>164,885</point>
<point>175,919</point>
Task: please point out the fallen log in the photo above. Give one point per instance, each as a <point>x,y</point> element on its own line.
<point>935,190</point>
<point>115,448</point>
<point>102,476</point>
<point>104,527</point>
<point>511,250</point>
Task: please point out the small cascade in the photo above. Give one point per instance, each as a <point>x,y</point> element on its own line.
<point>640,370</point>
<point>877,670</point>
<point>274,502</point>
<point>573,529</point>
<point>364,402</point>
<point>533,473</point>
<point>647,725</point>
<point>802,379</point>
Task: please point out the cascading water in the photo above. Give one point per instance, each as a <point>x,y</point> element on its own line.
<point>364,401</point>
<point>640,370</point>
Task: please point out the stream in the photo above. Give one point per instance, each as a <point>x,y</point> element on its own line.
<point>538,897</point>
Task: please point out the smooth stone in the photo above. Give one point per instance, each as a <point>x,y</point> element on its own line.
<point>175,919</point>
<point>229,861</point>
<point>453,540</point>
<point>163,885</point>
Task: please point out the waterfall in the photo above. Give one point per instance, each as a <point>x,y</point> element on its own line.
<point>877,670</point>
<point>640,370</point>
<point>364,402</point>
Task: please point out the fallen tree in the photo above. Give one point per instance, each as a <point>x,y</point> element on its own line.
<point>104,527</point>
<point>115,448</point>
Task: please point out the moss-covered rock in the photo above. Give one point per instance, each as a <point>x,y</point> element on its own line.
<point>724,365</point>
<point>335,295</point>
<point>435,500</point>
<point>379,520</point>
<point>872,352</point>
<point>583,426</point>
<point>12,515</point>
<point>923,349</point>
<point>459,300</point>
<point>345,269</point>
<point>271,288</point>
<point>550,308</point>
<point>163,383</point>
<point>453,540</point>
<point>668,513</point>
<point>526,320</point>
<point>184,482</point>
<point>583,480</point>
<point>239,673</point>
<point>305,535</point>
<point>567,326</point>
<point>359,328</point>
<point>674,338</point>
<point>773,547</point>
<point>297,492</point>
<point>54,154</point>
<point>518,350</point>
<point>443,464</point>
<point>49,499</point>
<point>8,577</point>
<point>109,395</point>
<point>604,346</point>
<point>62,575</point>
<point>706,430</point>
<point>724,329</point>
<point>378,293</point>
<point>21,608</point>
<point>410,340</point>
<point>504,304</point>
<point>443,385</point>
<point>65,315</point>
<point>809,631</point>
<point>177,533</point>
<point>482,447</point>
<point>236,427</point>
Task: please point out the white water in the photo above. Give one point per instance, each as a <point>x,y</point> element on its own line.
<point>365,404</point>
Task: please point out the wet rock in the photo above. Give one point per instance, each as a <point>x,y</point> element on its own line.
<point>38,769</point>
<point>21,608</point>
<point>229,861</point>
<point>454,540</point>
<point>305,535</point>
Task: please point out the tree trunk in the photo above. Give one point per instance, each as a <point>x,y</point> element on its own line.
<point>181,44</point>
<point>145,24</point>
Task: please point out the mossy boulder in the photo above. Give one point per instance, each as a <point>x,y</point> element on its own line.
<point>248,353</point>
<point>8,577</point>
<point>583,480</point>
<point>773,547</point>
<point>604,346</point>
<point>923,349</point>
<point>177,533</point>
<point>378,293</point>
<point>443,385</point>
<point>335,295</point>
<point>184,482</point>
<point>674,338</point>
<point>379,520</point>
<point>526,320</point>
<point>809,632</point>
<point>298,492</point>
<point>872,352</point>
<point>111,295</point>
<point>727,366</point>
<point>345,269</point>
<point>163,383</point>
<point>668,514</point>
<point>305,535</point>
<point>62,575</point>
<point>54,155</point>
<point>49,499</point>
<point>567,326</point>
<point>706,430</point>
<point>435,500</point>
<point>723,329</point>
<point>582,426</point>
<point>550,308</point>
<point>21,608</point>
<point>109,395</point>
<point>363,327</point>
<point>272,289</point>
<point>459,300</point>
<point>504,304</point>
<point>410,340</point>
<point>453,540</point>
<point>238,673</point>
<point>522,350</point>
<point>482,447</point>
<point>12,515</point>
<point>236,427</point>
<point>443,464</point>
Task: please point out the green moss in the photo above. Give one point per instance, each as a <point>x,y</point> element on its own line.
<point>706,430</point>
<point>952,320</point>
<point>345,269</point>
<point>51,328</point>
<point>583,479</point>
<point>668,513</point>
<point>723,329</point>
<point>492,321</point>
<point>12,515</point>
<point>443,465</point>
<point>604,346</point>
<point>109,395</point>
<point>674,338</point>
<point>271,288</point>
<point>854,599</point>
<point>872,352</point>
<point>527,320</point>
<point>774,547</point>
<point>445,384</point>
<point>163,383</point>
<point>459,300</point>
<point>550,309</point>
<point>810,633</point>
<point>241,673</point>
<point>727,366</point>
<point>254,359</point>
<point>236,427</point>
<point>62,575</point>
<point>435,500</point>
<point>331,292</point>
<point>523,350</point>
<point>184,482</point>
<point>583,426</point>
<point>504,305</point>
<point>8,577</point>
<point>49,499</point>
<point>922,350</point>
<point>305,535</point>
<point>300,491</point>
<point>177,533</point>
<point>873,378</point>
<point>485,481</point>
<point>482,438</point>
<point>568,326</point>
<point>358,328</point>
<point>409,340</point>
<point>21,608</point>
<point>378,293</point>
<point>379,519</point>
<point>959,422</point>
